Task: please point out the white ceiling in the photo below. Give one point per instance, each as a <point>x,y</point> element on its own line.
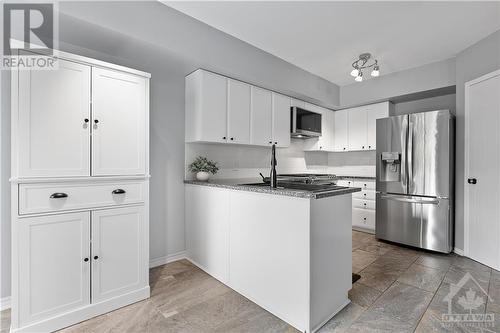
<point>325,37</point>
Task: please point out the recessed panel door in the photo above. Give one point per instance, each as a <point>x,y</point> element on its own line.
<point>238,112</point>
<point>281,120</point>
<point>118,252</point>
<point>54,265</point>
<point>261,124</point>
<point>119,105</point>
<point>54,121</point>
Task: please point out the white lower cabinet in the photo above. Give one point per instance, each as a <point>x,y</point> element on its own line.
<point>119,261</point>
<point>70,261</point>
<point>363,203</point>
<point>54,265</point>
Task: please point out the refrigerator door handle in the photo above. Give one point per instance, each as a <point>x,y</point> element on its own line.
<point>404,138</point>
<point>424,201</point>
<point>410,156</point>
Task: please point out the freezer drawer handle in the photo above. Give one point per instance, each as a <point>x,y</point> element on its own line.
<point>472,181</point>
<point>410,200</point>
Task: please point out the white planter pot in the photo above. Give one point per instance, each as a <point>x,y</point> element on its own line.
<point>202,176</point>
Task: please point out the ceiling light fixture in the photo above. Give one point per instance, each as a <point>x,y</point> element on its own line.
<point>361,64</point>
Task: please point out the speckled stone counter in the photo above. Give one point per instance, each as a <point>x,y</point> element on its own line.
<point>237,184</point>
<point>356,177</point>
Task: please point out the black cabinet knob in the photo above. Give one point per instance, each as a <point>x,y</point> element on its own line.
<point>86,120</point>
<point>275,142</point>
<point>232,139</point>
<point>223,138</point>
<point>118,191</point>
<point>96,257</point>
<point>363,147</point>
<point>58,195</point>
<point>472,181</point>
<point>270,142</point>
<point>364,218</point>
<point>86,259</point>
<point>369,146</point>
<point>344,148</point>
<point>96,121</point>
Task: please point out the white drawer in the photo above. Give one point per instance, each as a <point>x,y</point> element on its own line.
<point>42,198</point>
<point>364,194</point>
<point>363,218</point>
<point>345,182</point>
<point>365,184</point>
<point>363,204</point>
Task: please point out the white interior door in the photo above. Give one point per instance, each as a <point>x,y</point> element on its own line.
<point>482,227</point>
<point>261,117</point>
<point>238,112</point>
<point>118,254</point>
<point>54,276</point>
<point>53,123</point>
<point>281,120</point>
<point>119,104</point>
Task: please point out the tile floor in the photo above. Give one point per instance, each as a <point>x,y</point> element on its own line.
<point>400,290</point>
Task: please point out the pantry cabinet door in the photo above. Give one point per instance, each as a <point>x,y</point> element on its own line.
<point>119,258</point>
<point>340,131</point>
<point>54,265</point>
<point>238,112</point>
<point>53,129</point>
<point>119,123</point>
<point>357,128</point>
<point>261,117</point>
<point>281,120</point>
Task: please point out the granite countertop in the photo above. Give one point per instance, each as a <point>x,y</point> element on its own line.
<point>236,184</point>
<point>357,177</point>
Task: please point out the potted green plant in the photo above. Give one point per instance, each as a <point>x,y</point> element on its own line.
<point>203,167</point>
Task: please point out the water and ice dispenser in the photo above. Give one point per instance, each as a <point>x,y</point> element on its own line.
<point>390,167</point>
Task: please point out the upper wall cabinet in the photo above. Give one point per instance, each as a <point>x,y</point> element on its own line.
<point>206,107</point>
<point>51,140</point>
<point>281,120</point>
<point>238,112</point>
<point>326,141</point>
<point>69,115</point>
<point>220,109</point>
<point>119,105</point>
<point>340,131</point>
<point>362,122</point>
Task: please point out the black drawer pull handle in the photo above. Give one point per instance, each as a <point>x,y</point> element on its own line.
<point>58,195</point>
<point>96,257</point>
<point>86,259</point>
<point>118,191</point>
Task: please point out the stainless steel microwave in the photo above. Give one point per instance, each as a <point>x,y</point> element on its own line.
<point>304,124</point>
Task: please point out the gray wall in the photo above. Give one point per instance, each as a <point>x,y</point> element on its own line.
<point>155,38</point>
<point>475,61</point>
<point>426,104</point>
<point>432,76</point>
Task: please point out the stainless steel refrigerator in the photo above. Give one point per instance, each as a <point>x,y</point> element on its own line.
<point>415,177</point>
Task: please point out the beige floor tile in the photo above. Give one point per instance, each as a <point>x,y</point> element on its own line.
<point>363,295</point>
<point>343,319</point>
<point>361,259</point>
<point>423,277</point>
<point>372,322</point>
<point>439,261</point>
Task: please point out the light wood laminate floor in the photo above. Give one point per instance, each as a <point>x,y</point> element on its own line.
<point>400,290</point>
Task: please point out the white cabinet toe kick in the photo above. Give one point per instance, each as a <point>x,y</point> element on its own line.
<point>291,256</point>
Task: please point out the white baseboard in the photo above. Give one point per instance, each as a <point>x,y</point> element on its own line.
<point>166,259</point>
<point>458,251</point>
<point>5,303</point>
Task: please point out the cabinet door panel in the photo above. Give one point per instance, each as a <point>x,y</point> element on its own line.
<point>119,245</point>
<point>281,120</point>
<point>357,128</point>
<point>261,117</point>
<point>326,141</point>
<point>119,105</point>
<point>212,108</point>
<point>374,112</point>
<point>238,112</point>
<point>340,130</point>
<point>53,276</point>
<point>53,138</point>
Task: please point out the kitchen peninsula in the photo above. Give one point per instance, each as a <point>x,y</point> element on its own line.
<point>288,250</point>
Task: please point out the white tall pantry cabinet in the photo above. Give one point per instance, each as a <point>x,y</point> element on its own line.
<point>80,184</point>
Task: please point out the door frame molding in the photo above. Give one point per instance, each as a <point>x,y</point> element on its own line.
<point>467,86</point>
